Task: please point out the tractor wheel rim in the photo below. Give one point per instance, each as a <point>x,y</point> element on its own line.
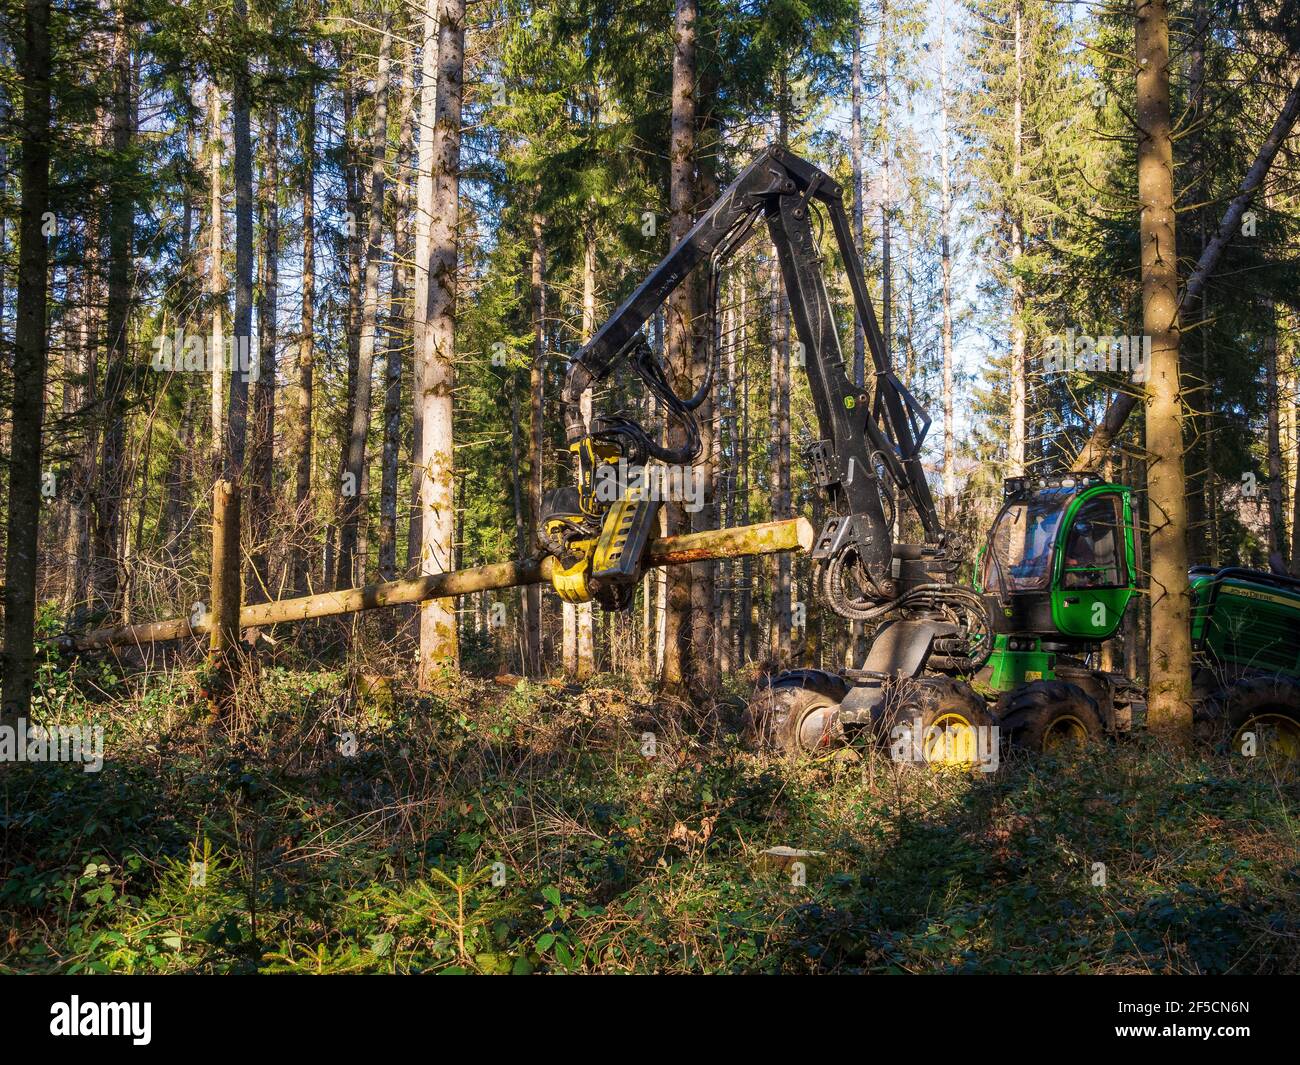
<point>815,730</point>
<point>1065,731</point>
<point>1273,732</point>
<point>950,741</point>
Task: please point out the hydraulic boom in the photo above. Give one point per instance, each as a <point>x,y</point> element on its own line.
<point>870,438</point>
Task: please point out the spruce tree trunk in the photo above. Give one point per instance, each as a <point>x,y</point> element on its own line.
<point>724,479</point>
<point>77,536</point>
<point>348,485</point>
<point>110,485</point>
<point>945,249</point>
<point>533,657</point>
<point>886,187</point>
<point>517,498</point>
<point>779,449</point>
<point>1169,709</point>
<point>1291,415</point>
<point>1196,372</point>
<point>438,637</point>
<point>216,270</point>
<point>227,490</point>
<point>681,315</point>
<point>1295,458</point>
<point>704,627</point>
<point>175,530</point>
<point>31,355</point>
<point>1016,448</point>
<point>420,277</point>
<point>585,664</point>
<point>399,319</point>
<point>1276,484</point>
<point>1287,413</point>
<point>855,166</point>
<point>351,568</point>
<point>300,427</point>
<point>745,637</point>
<point>260,496</point>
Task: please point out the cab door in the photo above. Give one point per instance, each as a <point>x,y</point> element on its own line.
<point>1095,572</point>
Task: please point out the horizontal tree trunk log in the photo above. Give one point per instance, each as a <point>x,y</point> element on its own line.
<point>768,538</point>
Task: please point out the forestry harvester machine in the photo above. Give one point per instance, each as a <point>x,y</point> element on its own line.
<point>1016,647</point>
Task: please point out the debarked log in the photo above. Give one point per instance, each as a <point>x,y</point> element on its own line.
<point>769,538</point>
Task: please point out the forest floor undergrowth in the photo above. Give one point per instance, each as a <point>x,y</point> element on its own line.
<point>343,822</point>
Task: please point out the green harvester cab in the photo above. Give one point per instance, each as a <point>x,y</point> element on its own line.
<point>1057,572</point>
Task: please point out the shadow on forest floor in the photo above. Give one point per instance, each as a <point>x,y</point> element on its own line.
<point>336,826</point>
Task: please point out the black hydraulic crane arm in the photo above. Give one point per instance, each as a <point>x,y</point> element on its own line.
<point>861,437</point>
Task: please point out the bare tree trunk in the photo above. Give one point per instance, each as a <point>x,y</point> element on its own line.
<point>1016,448</point>
<point>1295,454</point>
<point>779,635</point>
<point>855,165</point>
<point>570,639</point>
<point>517,497</point>
<point>260,497</point>
<point>216,270</point>
<point>724,482</point>
<point>77,540</point>
<point>1169,708</point>
<point>438,637</point>
<point>1196,381</point>
<point>783,503</point>
<point>31,355</point>
<point>399,318</point>
<point>704,627</point>
<point>586,652</point>
<point>226,492</point>
<point>536,412</point>
<point>300,428</point>
<point>110,485</point>
<point>745,650</point>
<point>173,529</point>
<point>348,484</point>
<point>420,277</point>
<point>681,315</point>
<point>1276,484</point>
<point>886,186</point>
<point>945,244</point>
<point>1287,404</point>
<point>351,569</point>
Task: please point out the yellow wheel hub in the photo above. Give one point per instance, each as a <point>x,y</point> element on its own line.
<point>1274,734</point>
<point>1066,731</point>
<point>950,741</point>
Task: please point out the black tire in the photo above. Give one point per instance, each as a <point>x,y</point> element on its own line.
<point>794,720</point>
<point>932,721</point>
<point>1047,715</point>
<point>1266,708</point>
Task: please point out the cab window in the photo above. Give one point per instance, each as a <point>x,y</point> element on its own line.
<point>1020,548</point>
<point>1094,546</point>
